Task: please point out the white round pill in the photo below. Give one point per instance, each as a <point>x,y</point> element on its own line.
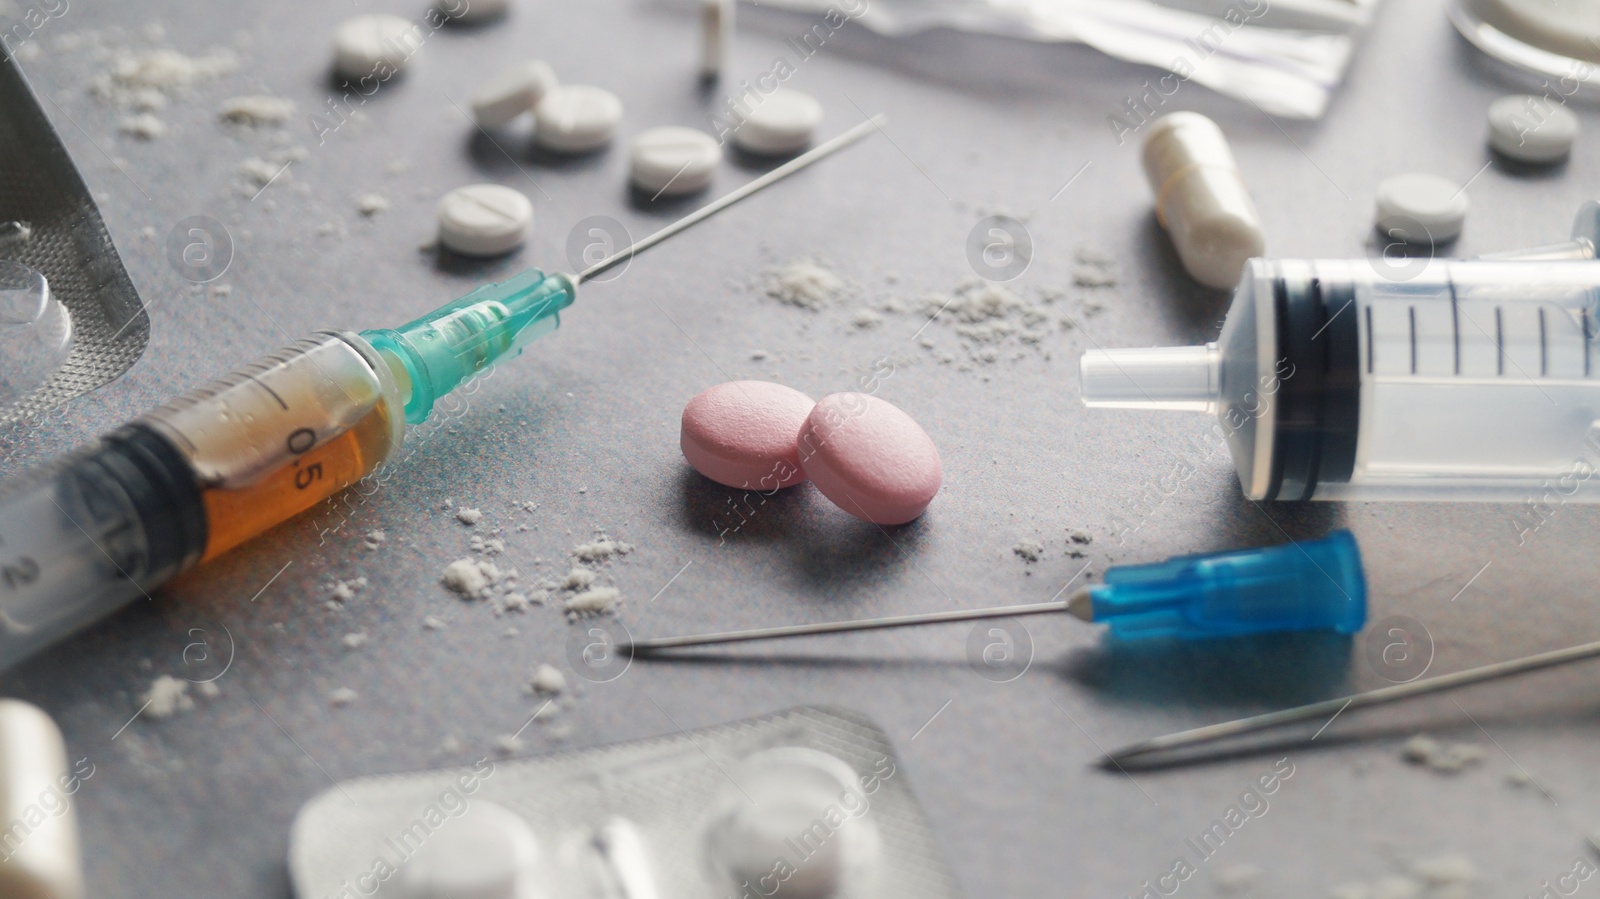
<point>801,805</point>
<point>488,852</point>
<point>673,161</point>
<point>1567,28</point>
<point>1531,129</point>
<point>782,122</point>
<point>376,44</point>
<point>484,219</point>
<point>512,92</point>
<point>1437,204</point>
<point>576,118</point>
<point>472,11</point>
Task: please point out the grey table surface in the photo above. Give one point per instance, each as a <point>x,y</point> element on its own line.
<point>585,425</point>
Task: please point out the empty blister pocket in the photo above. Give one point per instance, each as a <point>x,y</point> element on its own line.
<point>50,224</point>
<point>656,817</point>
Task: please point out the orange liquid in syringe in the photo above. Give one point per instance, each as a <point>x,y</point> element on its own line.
<point>236,515</point>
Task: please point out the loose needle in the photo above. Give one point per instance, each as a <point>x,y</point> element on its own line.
<point>1131,755</point>
<point>1078,604</point>
<point>815,154</point>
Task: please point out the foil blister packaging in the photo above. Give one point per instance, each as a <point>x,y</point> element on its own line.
<point>670,793</point>
<point>49,223</point>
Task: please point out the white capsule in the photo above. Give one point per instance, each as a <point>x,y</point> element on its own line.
<point>1438,205</point>
<point>779,123</point>
<point>576,118</point>
<point>484,220</point>
<point>38,822</point>
<point>1531,129</point>
<point>716,36</point>
<point>376,44</point>
<point>1201,199</point>
<point>673,161</point>
<point>512,92</point>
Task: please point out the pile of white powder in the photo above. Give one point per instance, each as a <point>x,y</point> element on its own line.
<point>806,285</point>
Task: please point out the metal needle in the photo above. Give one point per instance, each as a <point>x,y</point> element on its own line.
<point>816,154</point>
<point>1078,604</point>
<point>1129,755</point>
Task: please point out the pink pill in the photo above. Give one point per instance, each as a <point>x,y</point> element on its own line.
<point>870,458</point>
<point>742,434</point>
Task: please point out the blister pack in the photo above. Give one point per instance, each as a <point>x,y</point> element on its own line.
<point>805,804</point>
<point>51,233</point>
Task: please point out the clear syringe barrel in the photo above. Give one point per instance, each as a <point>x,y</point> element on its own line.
<point>109,523</point>
<point>1391,379</point>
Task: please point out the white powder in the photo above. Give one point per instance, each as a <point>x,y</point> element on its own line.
<point>130,75</point>
<point>595,601</point>
<point>166,697</point>
<point>805,285</point>
<point>433,623</point>
<point>578,579</point>
<point>342,697</point>
<point>147,99</point>
<point>1445,758</point>
<point>1445,870</point>
<point>510,632</point>
<point>1236,879</point>
<point>451,744</point>
<point>514,602</point>
<point>469,516</point>
<point>988,317</point>
<point>866,318</point>
<point>345,591</point>
<point>144,126</point>
<point>471,578</point>
<point>256,109</point>
<point>973,303</point>
<point>1419,749</point>
<point>262,172</point>
<point>354,641</point>
<point>491,546</point>
<point>208,689</point>
<point>1029,550</point>
<point>376,539</point>
<point>370,205</point>
<point>507,744</point>
<point>1093,269</point>
<point>1396,887</point>
<point>548,679</point>
<point>600,549</point>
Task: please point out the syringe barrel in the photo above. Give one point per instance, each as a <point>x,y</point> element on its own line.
<point>91,532</point>
<point>1443,379</point>
<point>1397,379</point>
<point>188,481</point>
